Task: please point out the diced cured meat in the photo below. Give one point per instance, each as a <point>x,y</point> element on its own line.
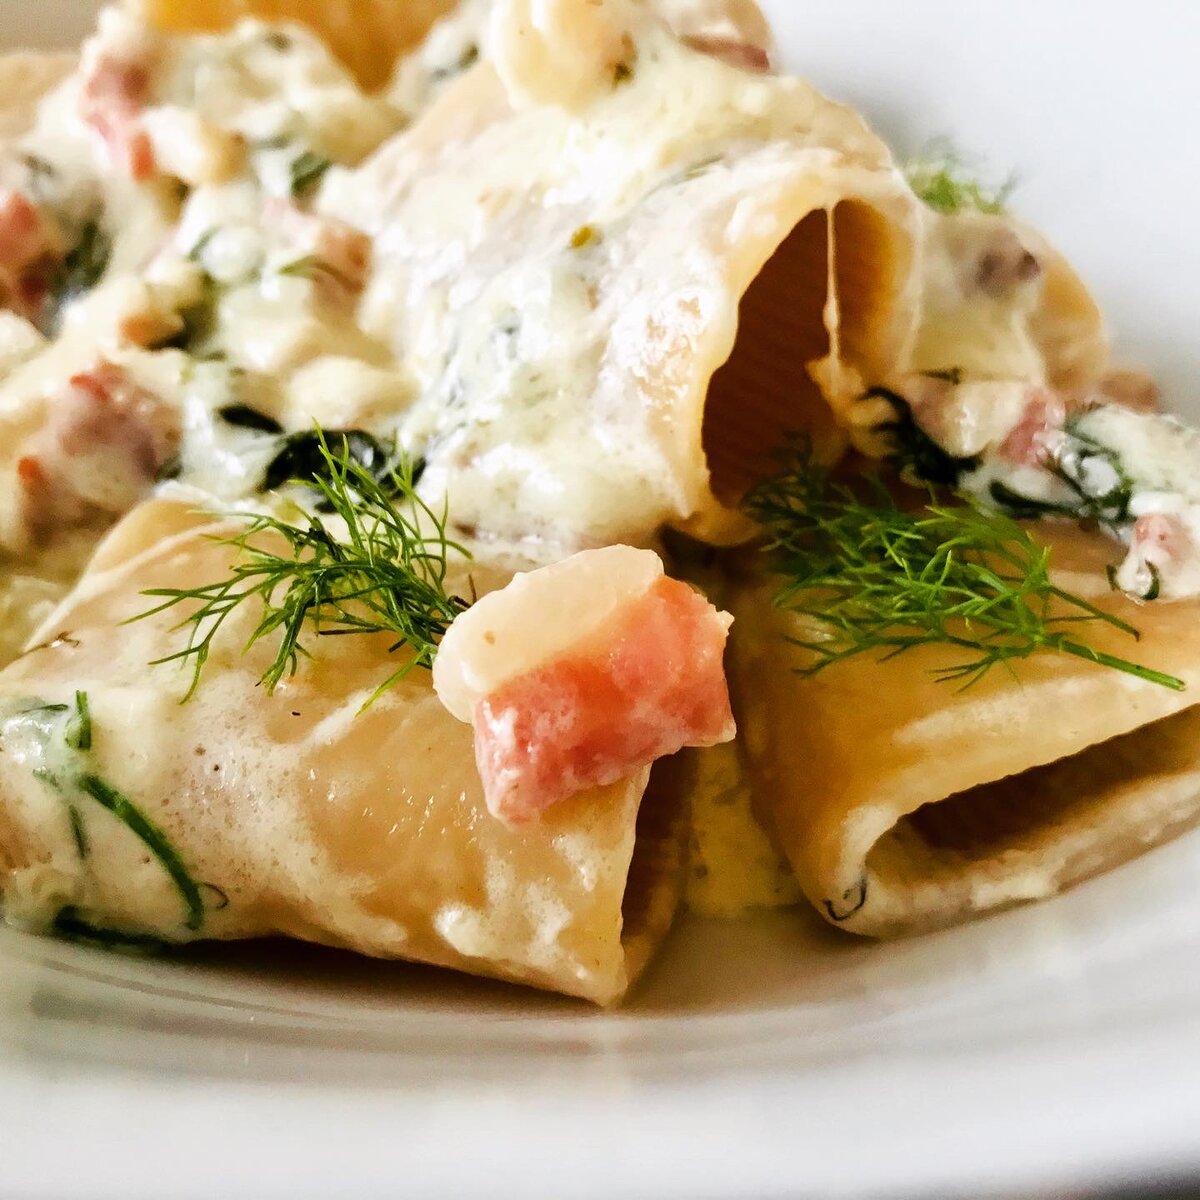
<point>583,673</point>
<point>104,442</point>
<point>1044,415</point>
<point>113,96</point>
<point>1162,561</point>
<point>31,246</point>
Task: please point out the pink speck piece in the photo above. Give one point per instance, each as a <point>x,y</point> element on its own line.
<point>652,683</point>
<point>114,94</point>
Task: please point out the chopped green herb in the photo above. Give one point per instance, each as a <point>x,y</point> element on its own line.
<point>276,141</point>
<point>79,731</point>
<point>81,269</point>
<point>385,573</point>
<point>951,375</point>
<point>913,451</point>
<point>72,926</point>
<point>303,458</point>
<point>875,577</point>
<point>307,170</point>
<point>468,58</point>
<point>242,416</point>
<point>1099,488</point>
<point>941,180</point>
<point>196,253</point>
<point>152,837</point>
<point>198,320</point>
<point>172,468</point>
<point>78,832</point>
<point>40,172</point>
<point>312,267</point>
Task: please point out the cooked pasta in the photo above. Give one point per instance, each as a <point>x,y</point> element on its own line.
<point>394,397</point>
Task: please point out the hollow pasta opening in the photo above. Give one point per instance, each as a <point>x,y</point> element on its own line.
<point>1047,828</point>
<point>763,395</point>
<point>654,886</point>
<point>764,398</point>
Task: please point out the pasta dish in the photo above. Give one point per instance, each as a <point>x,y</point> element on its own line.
<point>477,476</point>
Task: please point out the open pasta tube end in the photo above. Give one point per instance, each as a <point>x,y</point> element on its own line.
<point>906,805</point>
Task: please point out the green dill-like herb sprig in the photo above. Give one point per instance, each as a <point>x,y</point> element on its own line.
<point>879,578</point>
<point>380,569</point>
<point>940,179</point>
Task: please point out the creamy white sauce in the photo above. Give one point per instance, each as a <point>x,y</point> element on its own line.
<point>978,391</point>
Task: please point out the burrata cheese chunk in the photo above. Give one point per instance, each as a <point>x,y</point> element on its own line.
<point>579,674</point>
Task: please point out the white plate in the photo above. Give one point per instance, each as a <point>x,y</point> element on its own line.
<point>1057,1043</point>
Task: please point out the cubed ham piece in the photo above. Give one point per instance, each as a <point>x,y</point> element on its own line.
<point>1162,561</point>
<point>31,247</point>
<point>1044,415</point>
<point>113,98</point>
<point>580,674</point>
<point>733,51</point>
<point>103,444</point>
<point>1004,263</point>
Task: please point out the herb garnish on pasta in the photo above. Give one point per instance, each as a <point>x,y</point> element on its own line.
<point>942,181</point>
<point>879,577</point>
<point>380,569</point>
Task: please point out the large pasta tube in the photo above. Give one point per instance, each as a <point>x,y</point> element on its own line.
<point>640,304</point>
<point>904,804</point>
<point>296,813</point>
<point>367,35</point>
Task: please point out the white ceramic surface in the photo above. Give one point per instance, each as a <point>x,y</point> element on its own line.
<point>1050,1045</point>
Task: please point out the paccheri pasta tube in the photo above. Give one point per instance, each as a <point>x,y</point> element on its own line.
<point>368,35</point>
<point>906,803</point>
<point>630,284</point>
<point>559,279</point>
<point>241,813</point>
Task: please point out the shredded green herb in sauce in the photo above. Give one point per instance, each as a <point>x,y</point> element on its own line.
<point>152,837</point>
<point>306,172</point>
<point>70,778</point>
<point>79,731</point>
<point>81,270</point>
<point>72,926</point>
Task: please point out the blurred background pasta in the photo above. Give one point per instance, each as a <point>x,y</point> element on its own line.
<point>368,35</point>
